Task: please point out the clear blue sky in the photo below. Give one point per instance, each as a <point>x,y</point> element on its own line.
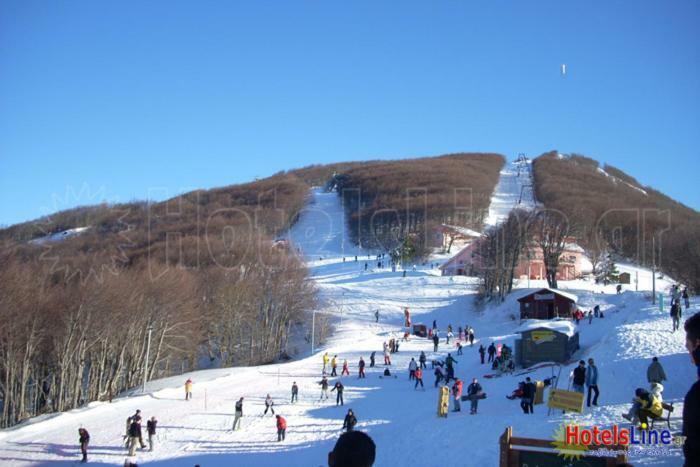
<point>130,100</point>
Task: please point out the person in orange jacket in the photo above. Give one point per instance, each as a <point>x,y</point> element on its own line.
<point>188,389</point>
<point>419,378</point>
<point>457,394</point>
<point>281,427</point>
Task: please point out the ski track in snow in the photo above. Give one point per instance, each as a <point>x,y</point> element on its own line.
<point>402,421</point>
<point>515,178</point>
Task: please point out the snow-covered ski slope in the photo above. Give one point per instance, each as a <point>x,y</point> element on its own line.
<point>514,190</point>
<point>401,420</point>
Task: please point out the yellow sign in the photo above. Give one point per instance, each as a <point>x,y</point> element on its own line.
<point>443,401</point>
<point>565,400</point>
<point>542,336</point>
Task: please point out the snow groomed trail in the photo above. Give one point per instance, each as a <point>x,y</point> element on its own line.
<point>514,190</point>
<point>402,421</point>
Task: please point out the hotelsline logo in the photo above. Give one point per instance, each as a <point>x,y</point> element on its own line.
<point>572,441</point>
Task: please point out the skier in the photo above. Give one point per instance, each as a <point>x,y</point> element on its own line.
<point>412,369</point>
<point>324,388</point>
<point>269,405</point>
<point>457,395</point>
<point>371,359</point>
<point>345,369</point>
<point>239,414</point>
<point>492,352</point>
<point>281,428</point>
<point>528,396</point>
<point>376,316</point>
<point>325,362</point>
<point>686,298</point>
<point>475,393</point>
<point>361,368</point>
<point>436,341</point>
<point>449,363</point>
<point>188,389</point>
<point>350,421</point>
<point>655,372</point>
<point>471,337</point>
<point>482,352</point>
<point>339,396</point>
<point>151,429</point>
<point>84,440</point>
<point>459,348</point>
<point>419,378</point>
<point>676,315</point>
<point>422,360</point>
<point>334,365</point>
<point>579,375</point>
<point>439,375</point>
<point>295,392</point>
<point>134,436</point>
<point>592,382</point>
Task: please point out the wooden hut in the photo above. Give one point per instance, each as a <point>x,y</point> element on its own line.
<point>547,304</point>
<point>545,341</point>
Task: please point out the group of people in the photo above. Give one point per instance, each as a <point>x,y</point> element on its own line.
<point>583,376</point>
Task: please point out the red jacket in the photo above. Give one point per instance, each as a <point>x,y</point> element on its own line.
<point>281,423</point>
<point>419,373</point>
<point>457,389</point>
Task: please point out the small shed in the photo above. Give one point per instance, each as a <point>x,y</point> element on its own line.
<point>624,278</point>
<point>547,304</point>
<point>420,330</point>
<point>548,341</point>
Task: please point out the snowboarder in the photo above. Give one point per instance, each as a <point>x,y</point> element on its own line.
<point>436,341</point>
<point>655,372</point>
<point>482,352</point>
<point>84,440</point>
<point>295,392</point>
<point>325,362</point>
<point>324,388</point>
<point>188,389</point>
<point>528,396</point>
<point>281,428</point>
<point>419,378</point>
<point>471,337</point>
<point>412,365</point>
<point>361,368</point>
<point>350,421</point>
<point>339,393</point>
<point>334,365</point>
<point>592,382</point>
<point>492,352</point>
<point>239,414</point>
<point>371,359</point>
<point>422,360</point>
<point>475,393</point>
<point>579,377</point>
<point>345,369</point>
<point>457,395</point>
<point>269,405</point>
<point>151,429</point>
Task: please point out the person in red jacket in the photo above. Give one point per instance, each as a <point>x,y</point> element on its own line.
<point>419,378</point>
<point>345,369</point>
<point>457,394</point>
<point>281,427</point>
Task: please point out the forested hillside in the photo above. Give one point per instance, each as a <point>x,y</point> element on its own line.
<point>610,211</point>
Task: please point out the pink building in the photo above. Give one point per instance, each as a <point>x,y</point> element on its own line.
<point>573,263</point>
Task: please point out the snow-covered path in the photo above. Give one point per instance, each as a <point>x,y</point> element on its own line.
<point>514,190</point>
<point>401,420</point>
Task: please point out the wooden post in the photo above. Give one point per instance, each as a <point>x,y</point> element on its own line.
<point>504,441</point>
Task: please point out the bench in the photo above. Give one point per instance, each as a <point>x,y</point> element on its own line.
<point>669,409</point>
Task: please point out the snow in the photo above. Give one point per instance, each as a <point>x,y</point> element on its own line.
<point>58,236</point>
<point>464,231</point>
<point>514,190</point>
<point>615,180</point>
<point>562,326</point>
<point>402,421</point>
